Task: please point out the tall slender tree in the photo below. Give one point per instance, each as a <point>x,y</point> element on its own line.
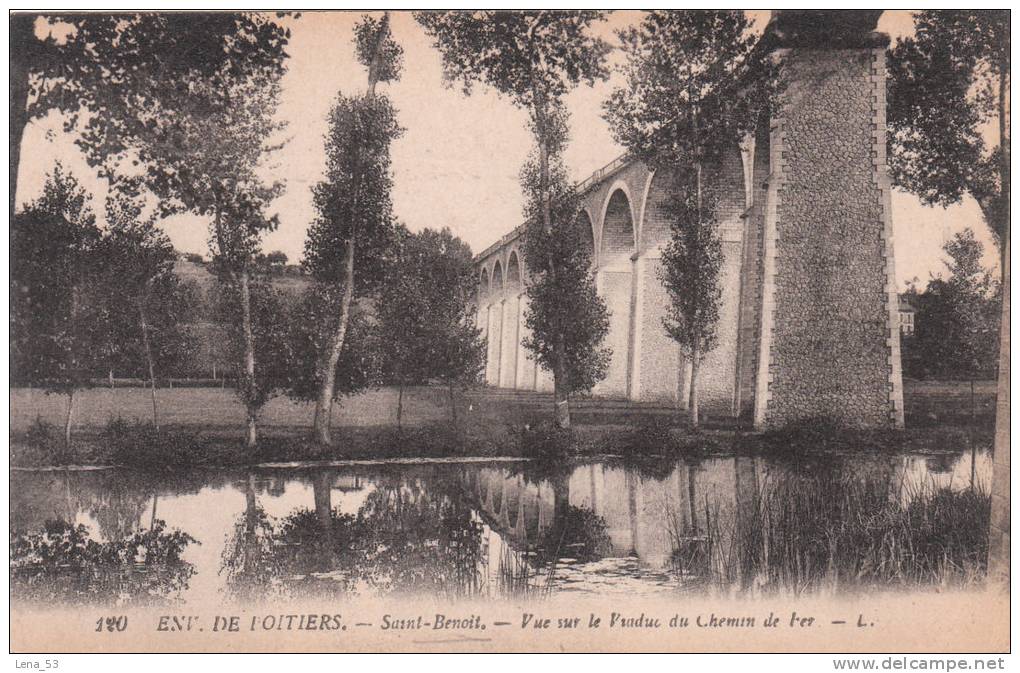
<point>534,58</point>
<point>948,112</point>
<point>203,154</point>
<point>58,331</point>
<point>694,86</point>
<point>107,72</point>
<point>957,323</point>
<point>355,221</point>
<point>568,321</point>
<point>147,305</point>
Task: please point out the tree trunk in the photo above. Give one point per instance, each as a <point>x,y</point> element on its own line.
<point>453,406</point>
<point>1004,170</point>
<point>999,538</point>
<point>148,360</point>
<point>69,418</point>
<point>22,36</point>
<point>329,359</point>
<point>328,362</point>
<point>249,386</point>
<point>400,403</point>
<point>250,506</point>
<point>561,389</point>
<point>322,494</point>
<point>692,404</point>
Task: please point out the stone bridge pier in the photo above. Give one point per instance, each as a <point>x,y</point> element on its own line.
<point>808,318</point>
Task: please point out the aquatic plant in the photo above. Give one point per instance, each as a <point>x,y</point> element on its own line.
<point>63,564</point>
<point>833,532</point>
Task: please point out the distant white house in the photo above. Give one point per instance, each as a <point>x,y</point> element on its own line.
<point>907,312</point>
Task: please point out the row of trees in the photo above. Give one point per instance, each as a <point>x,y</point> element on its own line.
<point>693,85</point>
<point>88,300</point>
<point>196,132</point>
<point>85,301</point>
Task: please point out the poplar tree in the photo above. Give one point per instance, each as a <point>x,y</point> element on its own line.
<point>694,87</point>
<point>534,58</point>
<point>355,224</point>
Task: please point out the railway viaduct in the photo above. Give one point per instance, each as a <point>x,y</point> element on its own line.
<point>808,321</point>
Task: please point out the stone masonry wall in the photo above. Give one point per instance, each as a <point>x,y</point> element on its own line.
<point>717,375</point>
<point>751,278</point>
<point>830,352</point>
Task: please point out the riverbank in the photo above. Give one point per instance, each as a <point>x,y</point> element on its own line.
<point>178,447</point>
<point>205,426</point>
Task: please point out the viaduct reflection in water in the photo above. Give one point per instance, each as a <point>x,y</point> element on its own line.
<point>450,531</point>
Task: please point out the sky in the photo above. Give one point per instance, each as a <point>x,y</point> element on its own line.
<point>457,163</point>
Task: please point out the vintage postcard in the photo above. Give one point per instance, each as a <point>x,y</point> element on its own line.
<point>510,331</point>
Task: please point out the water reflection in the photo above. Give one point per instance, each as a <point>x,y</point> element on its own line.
<point>743,524</point>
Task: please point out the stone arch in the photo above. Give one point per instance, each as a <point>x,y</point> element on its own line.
<point>482,302</point>
<point>618,222</point>
<point>496,283</point>
<point>484,285</point>
<point>655,230</point>
<point>589,226</point>
<point>616,285</point>
<point>511,329</point>
<point>495,327</point>
<point>514,279</point>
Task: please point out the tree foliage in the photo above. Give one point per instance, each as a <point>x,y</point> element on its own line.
<point>695,87</point>
<point>58,329</point>
<point>121,78</point>
<point>956,326</point>
<point>564,306</point>
<point>534,58</point>
<point>948,90</point>
<point>271,343</point>
<point>424,309</point>
<point>147,304</point>
<point>353,202</point>
<point>691,265</point>
<point>359,365</point>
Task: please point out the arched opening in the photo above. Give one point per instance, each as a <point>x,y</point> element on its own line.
<point>660,367</point>
<point>511,322</point>
<point>585,224</point>
<point>616,285</point>
<point>483,286</point>
<point>482,303</point>
<point>495,342</point>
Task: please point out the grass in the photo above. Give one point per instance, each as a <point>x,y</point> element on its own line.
<point>204,427</point>
<point>826,532</point>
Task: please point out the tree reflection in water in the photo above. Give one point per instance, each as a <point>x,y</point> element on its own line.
<point>405,538</point>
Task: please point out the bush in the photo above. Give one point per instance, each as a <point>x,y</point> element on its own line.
<point>652,437</point>
<point>543,441</point>
<point>139,444</point>
<point>43,445</point>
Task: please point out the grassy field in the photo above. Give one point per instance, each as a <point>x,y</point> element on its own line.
<point>205,426</point>
<point>219,409</point>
